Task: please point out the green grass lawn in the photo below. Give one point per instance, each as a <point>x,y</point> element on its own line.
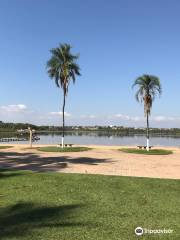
<point>5,147</point>
<point>49,206</point>
<point>144,151</point>
<point>65,149</point>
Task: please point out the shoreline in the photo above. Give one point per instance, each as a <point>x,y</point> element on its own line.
<point>36,145</point>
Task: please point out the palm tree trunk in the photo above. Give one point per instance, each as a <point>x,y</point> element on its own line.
<point>64,102</point>
<point>147,147</point>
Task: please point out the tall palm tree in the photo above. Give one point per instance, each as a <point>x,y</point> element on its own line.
<point>62,67</point>
<point>149,87</point>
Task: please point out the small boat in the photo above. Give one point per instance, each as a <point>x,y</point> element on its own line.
<point>35,138</point>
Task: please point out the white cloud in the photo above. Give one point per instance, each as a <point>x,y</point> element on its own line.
<point>91,116</point>
<point>21,113</point>
<point>137,119</point>
<point>156,121</point>
<point>60,114</point>
<point>128,118</point>
<point>121,116</point>
<point>165,119</point>
<point>14,108</point>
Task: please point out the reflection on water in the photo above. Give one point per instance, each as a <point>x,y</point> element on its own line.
<point>101,138</point>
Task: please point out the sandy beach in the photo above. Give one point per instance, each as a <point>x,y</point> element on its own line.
<point>107,160</point>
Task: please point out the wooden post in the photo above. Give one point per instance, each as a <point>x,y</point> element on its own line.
<point>30,137</point>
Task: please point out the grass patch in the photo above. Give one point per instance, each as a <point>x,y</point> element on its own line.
<point>75,206</point>
<point>143,151</point>
<point>65,149</point>
<point>5,147</point>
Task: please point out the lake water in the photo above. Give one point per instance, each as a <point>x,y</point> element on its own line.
<point>99,138</point>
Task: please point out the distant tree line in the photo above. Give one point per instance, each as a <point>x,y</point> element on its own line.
<point>120,130</point>
<point>15,126</point>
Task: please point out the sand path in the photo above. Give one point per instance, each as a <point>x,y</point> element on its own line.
<point>100,160</point>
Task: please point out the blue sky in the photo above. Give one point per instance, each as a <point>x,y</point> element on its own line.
<point>118,40</point>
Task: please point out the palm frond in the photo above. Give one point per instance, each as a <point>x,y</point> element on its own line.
<point>149,87</point>
<point>62,66</point>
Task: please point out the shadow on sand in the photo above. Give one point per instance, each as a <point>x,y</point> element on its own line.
<point>37,162</point>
